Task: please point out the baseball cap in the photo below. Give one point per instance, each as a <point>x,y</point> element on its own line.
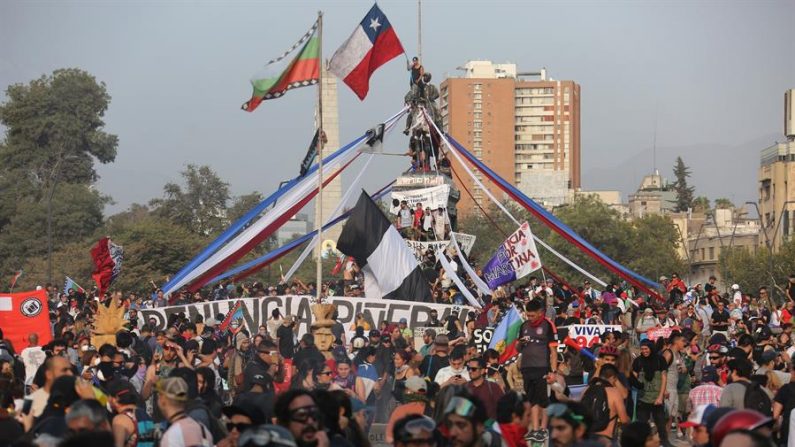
<point>698,416</point>
<point>403,321</point>
<point>375,333</point>
<point>416,385</point>
<point>174,388</point>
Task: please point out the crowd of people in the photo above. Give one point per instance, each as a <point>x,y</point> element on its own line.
<point>692,367</point>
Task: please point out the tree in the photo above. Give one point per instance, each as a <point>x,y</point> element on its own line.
<point>243,204</point>
<point>723,203</point>
<point>684,193</point>
<point>201,207</point>
<point>701,204</point>
<point>54,132</point>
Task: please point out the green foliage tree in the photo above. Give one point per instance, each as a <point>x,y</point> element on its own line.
<point>684,193</point>
<point>201,206</point>
<point>701,204</point>
<point>751,269</point>
<point>54,133</point>
<point>723,203</point>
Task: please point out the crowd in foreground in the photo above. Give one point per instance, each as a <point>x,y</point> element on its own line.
<point>698,367</point>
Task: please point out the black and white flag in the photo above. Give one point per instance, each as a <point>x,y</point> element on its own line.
<point>370,238</point>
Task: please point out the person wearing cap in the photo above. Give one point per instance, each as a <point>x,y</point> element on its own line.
<point>131,425</point>
<point>415,403</point>
<point>433,319</point>
<point>646,322</point>
<point>183,431</point>
<point>697,422</point>
<point>708,392</point>
<point>264,363</point>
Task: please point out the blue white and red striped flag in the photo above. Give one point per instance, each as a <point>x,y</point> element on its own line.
<point>372,44</point>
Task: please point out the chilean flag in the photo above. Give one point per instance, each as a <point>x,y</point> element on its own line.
<point>372,44</point>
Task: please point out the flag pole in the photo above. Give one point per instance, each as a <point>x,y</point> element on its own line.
<point>319,204</point>
<point>419,30</point>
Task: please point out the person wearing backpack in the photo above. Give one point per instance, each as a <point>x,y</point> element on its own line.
<point>742,393</point>
<point>605,403</point>
<point>131,425</point>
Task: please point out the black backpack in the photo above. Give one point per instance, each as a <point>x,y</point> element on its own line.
<point>756,399</point>
<point>595,400</point>
<point>217,430</point>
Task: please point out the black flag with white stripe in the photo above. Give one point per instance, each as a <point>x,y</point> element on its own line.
<point>370,238</point>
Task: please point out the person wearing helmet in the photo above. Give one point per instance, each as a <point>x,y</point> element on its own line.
<point>750,420</point>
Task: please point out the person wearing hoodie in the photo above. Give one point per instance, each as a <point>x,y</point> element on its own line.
<point>236,363</point>
<point>649,375</point>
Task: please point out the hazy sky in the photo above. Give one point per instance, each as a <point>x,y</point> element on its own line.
<point>714,71</point>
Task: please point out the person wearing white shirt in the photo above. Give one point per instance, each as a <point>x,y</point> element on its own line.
<point>32,357</point>
<point>456,373</point>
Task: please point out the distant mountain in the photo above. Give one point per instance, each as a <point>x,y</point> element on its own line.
<point>717,170</point>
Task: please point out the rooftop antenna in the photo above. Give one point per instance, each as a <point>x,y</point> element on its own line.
<point>654,144</point>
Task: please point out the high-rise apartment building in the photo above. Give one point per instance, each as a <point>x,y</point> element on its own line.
<point>524,126</point>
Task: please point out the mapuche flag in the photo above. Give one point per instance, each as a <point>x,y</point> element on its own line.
<point>372,44</point>
<point>282,74</point>
<point>506,335</point>
<point>107,258</point>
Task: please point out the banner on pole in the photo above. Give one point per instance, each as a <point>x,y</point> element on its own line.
<point>515,258</point>
<point>25,313</point>
<point>465,241</point>
<point>587,335</point>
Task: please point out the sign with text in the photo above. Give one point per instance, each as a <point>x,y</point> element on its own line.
<point>256,311</point>
<point>465,241</point>
<point>482,338</point>
<point>433,197</point>
<point>657,332</point>
<point>587,335</point>
<point>515,258</point>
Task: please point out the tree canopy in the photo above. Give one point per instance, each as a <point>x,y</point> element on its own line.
<point>684,193</point>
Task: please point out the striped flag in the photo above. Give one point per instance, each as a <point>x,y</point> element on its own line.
<point>370,238</point>
<point>282,74</point>
<point>71,284</point>
<point>506,335</point>
<point>234,318</point>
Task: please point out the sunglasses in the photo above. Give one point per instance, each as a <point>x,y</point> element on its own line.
<point>303,414</point>
<point>460,406</point>
<point>324,373</point>
<point>714,357</point>
<point>241,427</point>
<point>473,368</point>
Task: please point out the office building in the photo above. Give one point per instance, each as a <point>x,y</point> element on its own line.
<point>524,126</point>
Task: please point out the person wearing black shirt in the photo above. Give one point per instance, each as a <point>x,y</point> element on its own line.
<point>431,364</point>
<point>783,403</point>
<point>720,319</point>
<point>308,351</point>
<point>286,336</point>
<point>791,287</point>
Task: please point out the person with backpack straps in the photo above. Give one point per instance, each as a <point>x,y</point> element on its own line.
<point>742,392</point>
<point>606,404</point>
<point>131,426</point>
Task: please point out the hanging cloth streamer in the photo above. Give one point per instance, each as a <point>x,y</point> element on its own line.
<point>502,207</point>
<point>346,198</point>
<point>448,269</point>
<point>481,285</point>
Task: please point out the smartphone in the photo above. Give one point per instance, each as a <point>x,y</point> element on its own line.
<point>26,406</point>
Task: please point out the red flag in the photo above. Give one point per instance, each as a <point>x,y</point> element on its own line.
<point>338,266</point>
<point>372,44</point>
<point>107,258</point>
<point>25,313</point>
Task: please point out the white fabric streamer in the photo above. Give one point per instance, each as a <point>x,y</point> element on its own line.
<point>448,269</point>
<point>481,285</point>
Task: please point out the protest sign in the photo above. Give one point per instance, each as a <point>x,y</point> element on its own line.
<point>433,197</point>
<point>657,332</point>
<point>515,258</point>
<point>587,335</point>
<point>482,338</point>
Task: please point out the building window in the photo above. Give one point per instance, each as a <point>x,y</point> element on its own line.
<point>711,253</point>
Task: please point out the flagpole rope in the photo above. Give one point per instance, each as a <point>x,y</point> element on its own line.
<point>499,205</point>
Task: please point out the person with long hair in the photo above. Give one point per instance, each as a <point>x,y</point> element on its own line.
<point>208,395</point>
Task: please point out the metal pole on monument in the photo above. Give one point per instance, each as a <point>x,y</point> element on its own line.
<point>319,202</point>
